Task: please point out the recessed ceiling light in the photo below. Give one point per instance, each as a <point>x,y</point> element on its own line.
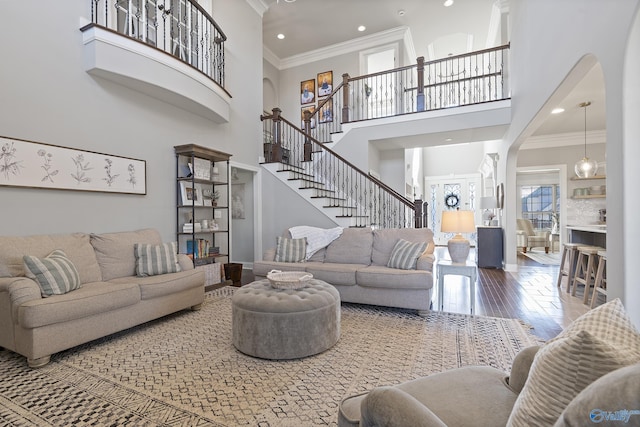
<point>448,3</point>
<point>448,140</point>
<point>280,36</point>
<point>362,28</point>
<point>557,110</point>
<point>401,12</point>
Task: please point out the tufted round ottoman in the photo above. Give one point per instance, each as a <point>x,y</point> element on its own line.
<point>285,324</point>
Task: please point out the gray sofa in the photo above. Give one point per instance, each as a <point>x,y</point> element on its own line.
<point>356,264</point>
<point>111,297</point>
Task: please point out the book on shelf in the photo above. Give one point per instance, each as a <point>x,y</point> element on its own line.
<point>198,247</point>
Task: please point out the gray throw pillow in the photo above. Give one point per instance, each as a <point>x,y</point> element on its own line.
<point>152,260</point>
<point>290,250</point>
<point>405,254</point>
<point>55,274</point>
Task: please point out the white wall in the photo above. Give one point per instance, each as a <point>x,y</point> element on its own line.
<point>46,96</point>
<point>544,49</point>
<point>631,149</point>
<point>452,159</point>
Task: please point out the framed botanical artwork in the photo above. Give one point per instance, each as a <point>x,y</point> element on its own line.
<point>326,113</point>
<point>39,165</point>
<point>312,109</point>
<point>307,91</point>
<point>325,83</point>
<point>190,195</point>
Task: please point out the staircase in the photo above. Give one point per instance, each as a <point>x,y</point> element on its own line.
<point>349,196</point>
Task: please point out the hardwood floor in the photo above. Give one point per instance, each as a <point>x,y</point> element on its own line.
<point>530,294</point>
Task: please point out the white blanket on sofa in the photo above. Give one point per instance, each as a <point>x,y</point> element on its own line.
<point>317,238</point>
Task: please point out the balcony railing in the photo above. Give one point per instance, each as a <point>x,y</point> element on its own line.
<point>181,28</point>
<point>455,81</point>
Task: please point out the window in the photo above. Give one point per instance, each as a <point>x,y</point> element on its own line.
<point>540,204</point>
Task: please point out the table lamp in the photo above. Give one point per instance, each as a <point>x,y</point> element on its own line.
<point>458,222</point>
<point>488,204</point>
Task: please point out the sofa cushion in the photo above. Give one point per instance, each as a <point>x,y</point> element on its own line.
<point>114,251</point>
<point>609,398</point>
<point>55,273</point>
<point>152,260</point>
<point>335,273</point>
<point>384,240</point>
<point>290,250</point>
<point>352,247</point>
<point>598,342</point>
<point>376,276</point>
<point>405,254</point>
<point>165,284</point>
<point>75,245</point>
<point>90,299</point>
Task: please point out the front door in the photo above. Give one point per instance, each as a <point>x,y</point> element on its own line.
<point>447,193</point>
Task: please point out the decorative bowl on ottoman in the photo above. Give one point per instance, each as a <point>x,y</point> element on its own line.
<point>289,279</point>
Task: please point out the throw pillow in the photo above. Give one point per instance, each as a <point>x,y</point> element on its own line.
<point>405,254</point>
<point>152,260</point>
<point>598,342</point>
<point>290,250</point>
<point>55,274</point>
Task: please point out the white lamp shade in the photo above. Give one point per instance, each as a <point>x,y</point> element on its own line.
<point>457,222</point>
<point>488,202</point>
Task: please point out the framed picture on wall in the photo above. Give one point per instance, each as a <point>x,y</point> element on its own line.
<point>326,113</point>
<point>312,109</point>
<point>307,91</point>
<point>325,83</point>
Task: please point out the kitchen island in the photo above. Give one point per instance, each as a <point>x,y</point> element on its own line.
<point>593,234</point>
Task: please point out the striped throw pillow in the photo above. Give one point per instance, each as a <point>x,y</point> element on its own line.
<point>405,254</point>
<point>290,250</point>
<point>598,342</point>
<point>152,260</point>
<point>55,274</point>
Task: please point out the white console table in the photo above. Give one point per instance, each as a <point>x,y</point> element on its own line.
<point>467,269</point>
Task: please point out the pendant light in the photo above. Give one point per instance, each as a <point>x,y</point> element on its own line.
<point>585,168</point>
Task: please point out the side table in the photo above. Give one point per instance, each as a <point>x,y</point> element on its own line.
<point>467,269</point>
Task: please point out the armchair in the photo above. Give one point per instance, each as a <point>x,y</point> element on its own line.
<point>527,237</point>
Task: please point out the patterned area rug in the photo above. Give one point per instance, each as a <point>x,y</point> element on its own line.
<point>183,370</point>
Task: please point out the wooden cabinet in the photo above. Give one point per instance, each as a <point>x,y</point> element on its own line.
<point>202,200</point>
<point>489,247</point>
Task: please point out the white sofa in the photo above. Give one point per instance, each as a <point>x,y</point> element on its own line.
<point>111,297</point>
<point>356,264</point>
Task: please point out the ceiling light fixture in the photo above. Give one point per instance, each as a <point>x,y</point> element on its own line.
<point>557,110</point>
<point>401,12</point>
<point>280,36</point>
<point>362,28</point>
<point>448,3</point>
<point>585,168</point>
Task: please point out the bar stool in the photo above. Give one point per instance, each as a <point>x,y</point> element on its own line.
<point>568,263</point>
<point>600,285</point>
<point>585,269</point>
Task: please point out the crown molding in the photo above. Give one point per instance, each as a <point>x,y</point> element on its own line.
<point>354,45</point>
<point>259,6</point>
<point>564,140</point>
<point>271,57</point>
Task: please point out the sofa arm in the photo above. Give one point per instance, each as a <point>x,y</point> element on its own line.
<point>15,291</point>
<point>185,262</point>
<point>520,368</point>
<point>545,234</point>
<point>269,255</point>
<point>425,262</point>
<point>392,407</point>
